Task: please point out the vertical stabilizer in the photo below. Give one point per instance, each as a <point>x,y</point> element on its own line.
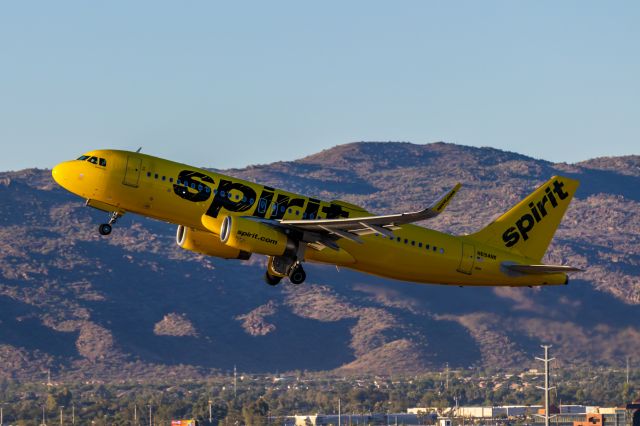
<point>528,227</point>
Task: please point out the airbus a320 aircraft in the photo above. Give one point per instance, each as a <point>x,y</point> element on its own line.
<point>222,216</point>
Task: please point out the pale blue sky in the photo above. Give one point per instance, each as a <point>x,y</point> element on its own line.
<point>235,83</point>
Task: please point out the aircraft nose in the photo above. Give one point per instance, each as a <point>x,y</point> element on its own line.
<point>60,174</point>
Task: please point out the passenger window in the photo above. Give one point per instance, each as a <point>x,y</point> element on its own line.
<point>103,162</point>
<point>441,251</point>
<point>406,241</point>
<point>419,244</point>
<point>426,246</point>
<point>164,178</point>
<point>155,176</point>
<point>398,239</point>
<point>413,243</point>
<point>290,211</point>
<point>170,179</point>
<point>93,160</point>
<point>435,248</point>
<point>148,174</point>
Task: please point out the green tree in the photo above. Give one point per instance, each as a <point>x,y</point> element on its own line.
<point>255,414</point>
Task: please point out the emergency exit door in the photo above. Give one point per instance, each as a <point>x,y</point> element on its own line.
<point>468,258</point>
<point>132,172</point>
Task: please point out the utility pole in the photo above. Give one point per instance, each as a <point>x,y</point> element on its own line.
<point>447,371</point>
<point>546,387</point>
<point>150,415</point>
<point>61,407</point>
<point>209,412</point>
<point>1,414</point>
<point>627,371</point>
<point>73,414</point>
<point>44,420</point>
<point>135,414</point>
<point>235,382</point>
<point>339,412</point>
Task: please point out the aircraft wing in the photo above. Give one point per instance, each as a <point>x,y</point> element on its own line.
<point>352,228</point>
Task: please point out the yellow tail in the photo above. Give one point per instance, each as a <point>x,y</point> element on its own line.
<point>529,226</point>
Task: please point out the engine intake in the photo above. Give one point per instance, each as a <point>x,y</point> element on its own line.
<point>255,237</point>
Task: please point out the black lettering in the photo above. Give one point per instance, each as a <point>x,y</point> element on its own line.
<point>524,229</point>
<point>536,215</point>
<point>554,203</point>
<point>557,188</point>
<point>333,211</point>
<point>222,198</point>
<point>263,202</point>
<point>188,184</point>
<point>510,237</point>
<point>311,212</point>
<point>540,204</point>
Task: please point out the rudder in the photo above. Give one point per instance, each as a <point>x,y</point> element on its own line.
<point>528,227</point>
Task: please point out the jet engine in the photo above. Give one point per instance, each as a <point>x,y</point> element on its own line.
<point>255,237</point>
<point>207,243</point>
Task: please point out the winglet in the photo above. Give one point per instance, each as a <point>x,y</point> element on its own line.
<point>439,206</point>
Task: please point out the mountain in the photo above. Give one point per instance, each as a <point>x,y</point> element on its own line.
<point>134,305</point>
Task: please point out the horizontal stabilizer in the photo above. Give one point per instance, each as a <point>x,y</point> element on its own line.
<point>540,269</point>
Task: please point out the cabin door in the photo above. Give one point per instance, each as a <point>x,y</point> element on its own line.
<point>132,173</point>
<point>468,258</point>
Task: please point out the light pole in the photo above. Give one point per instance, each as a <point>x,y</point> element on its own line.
<point>73,414</point>
<point>1,413</point>
<point>209,413</point>
<point>61,407</point>
<point>150,415</point>
<point>44,420</point>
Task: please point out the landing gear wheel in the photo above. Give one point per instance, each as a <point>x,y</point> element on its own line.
<point>297,275</point>
<point>271,279</point>
<point>104,229</point>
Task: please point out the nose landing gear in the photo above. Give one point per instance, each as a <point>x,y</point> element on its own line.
<point>105,228</point>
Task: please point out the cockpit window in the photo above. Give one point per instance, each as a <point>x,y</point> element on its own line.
<point>103,162</point>
<point>83,157</point>
<point>93,160</point>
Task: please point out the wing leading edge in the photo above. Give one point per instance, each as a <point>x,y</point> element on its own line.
<point>352,228</point>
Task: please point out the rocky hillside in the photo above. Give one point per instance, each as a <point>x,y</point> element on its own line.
<point>135,305</point>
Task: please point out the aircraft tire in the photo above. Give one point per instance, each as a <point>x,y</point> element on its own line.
<point>104,229</point>
<point>271,279</point>
<point>297,275</point>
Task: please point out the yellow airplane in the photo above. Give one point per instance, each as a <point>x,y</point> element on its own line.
<point>222,216</point>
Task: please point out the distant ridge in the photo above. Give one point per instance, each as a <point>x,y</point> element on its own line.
<point>135,305</point>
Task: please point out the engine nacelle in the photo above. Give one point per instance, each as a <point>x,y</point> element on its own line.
<point>255,237</point>
<point>207,243</point>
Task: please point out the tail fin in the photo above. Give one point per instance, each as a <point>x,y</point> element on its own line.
<point>529,226</point>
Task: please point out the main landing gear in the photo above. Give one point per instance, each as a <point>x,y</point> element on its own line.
<point>105,228</point>
<point>280,267</point>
